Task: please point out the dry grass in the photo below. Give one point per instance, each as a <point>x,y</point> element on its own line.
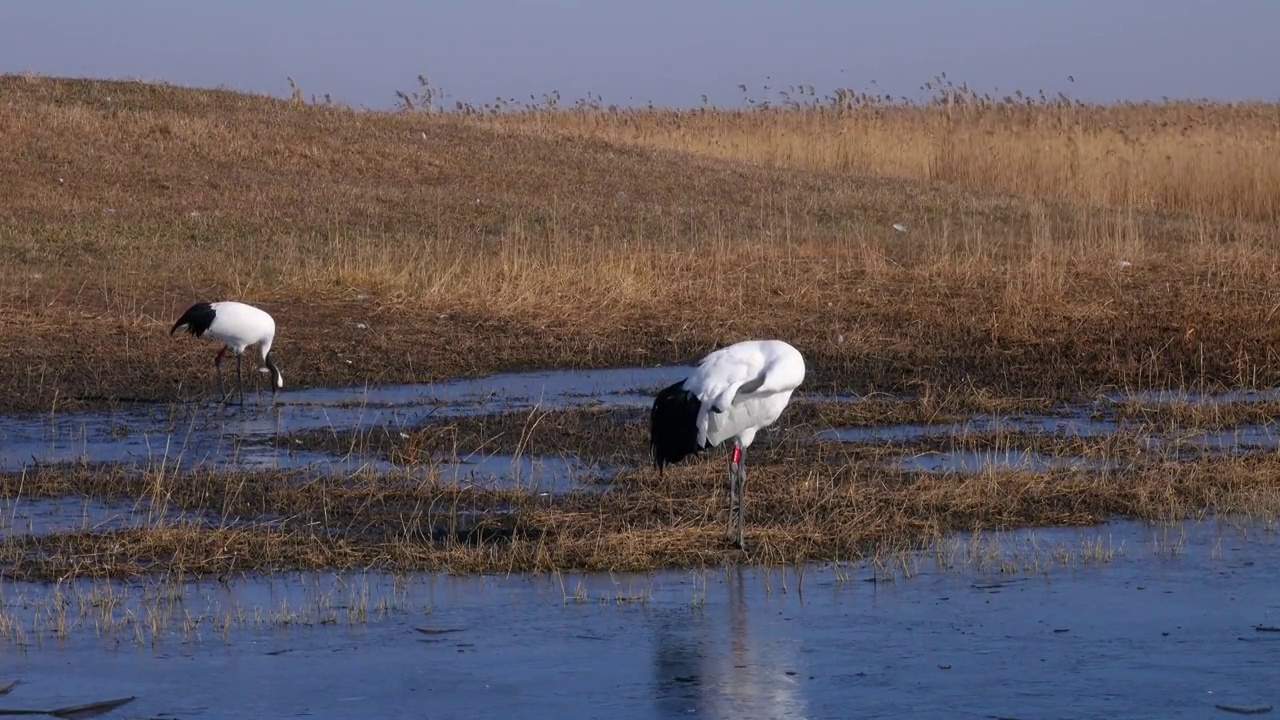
<point>410,246</point>
<point>1182,158</point>
<point>165,608</point>
<point>798,510</point>
<point>1052,250</point>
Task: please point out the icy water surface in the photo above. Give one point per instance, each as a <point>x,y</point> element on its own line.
<point>1174,624</point>
<point>234,437</point>
<point>237,438</point>
<point>43,516</point>
<point>1068,421</point>
<point>972,461</point>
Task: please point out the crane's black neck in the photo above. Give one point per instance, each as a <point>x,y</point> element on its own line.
<point>275,373</point>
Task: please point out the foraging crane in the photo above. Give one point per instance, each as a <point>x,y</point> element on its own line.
<point>238,326</point>
<point>732,394</point>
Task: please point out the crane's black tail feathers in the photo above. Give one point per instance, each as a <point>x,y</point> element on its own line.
<point>197,318</point>
<point>673,425</point>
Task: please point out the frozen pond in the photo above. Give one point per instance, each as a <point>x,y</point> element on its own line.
<point>1172,625</point>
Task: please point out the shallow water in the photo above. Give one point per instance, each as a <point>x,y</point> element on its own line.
<point>1070,421</point>
<point>1245,437</point>
<point>1196,397</point>
<point>1080,421</point>
<point>1165,629</point>
<point>43,516</point>
<point>549,473</point>
<point>974,461</point>
<point>232,438</point>
<point>245,437</point>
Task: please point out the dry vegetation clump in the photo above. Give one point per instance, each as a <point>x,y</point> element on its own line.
<point>797,510</point>
<point>608,433</point>
<point>1192,413</point>
<point>1195,158</point>
<point>1052,249</point>
<point>594,432</point>
<point>876,430</point>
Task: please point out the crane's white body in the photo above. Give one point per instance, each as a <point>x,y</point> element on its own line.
<point>744,388</point>
<point>238,326</point>
<point>732,394</point>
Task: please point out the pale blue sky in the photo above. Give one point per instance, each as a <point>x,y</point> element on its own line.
<point>667,51</point>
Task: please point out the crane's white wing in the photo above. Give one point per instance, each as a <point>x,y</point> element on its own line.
<point>724,373</point>
<point>736,390</point>
<point>720,378</point>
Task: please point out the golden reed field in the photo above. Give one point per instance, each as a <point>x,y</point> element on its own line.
<point>967,254</point>
<point>1051,248</point>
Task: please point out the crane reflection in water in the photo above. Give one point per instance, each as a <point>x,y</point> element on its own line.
<point>701,669</point>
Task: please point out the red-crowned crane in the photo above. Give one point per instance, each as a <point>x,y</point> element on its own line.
<point>732,394</point>
<point>238,326</point>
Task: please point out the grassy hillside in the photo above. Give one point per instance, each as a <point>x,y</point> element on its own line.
<point>1050,249</point>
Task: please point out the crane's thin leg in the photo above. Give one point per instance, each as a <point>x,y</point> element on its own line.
<point>732,495</point>
<point>217,365</point>
<point>735,498</point>
<point>240,376</point>
<point>742,496</point>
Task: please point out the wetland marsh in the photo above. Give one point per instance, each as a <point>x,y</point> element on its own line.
<point>1039,418</point>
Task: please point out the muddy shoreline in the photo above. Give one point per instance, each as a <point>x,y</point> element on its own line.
<point>82,356</point>
<point>549,471</point>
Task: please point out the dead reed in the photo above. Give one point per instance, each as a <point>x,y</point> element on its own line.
<point>1047,249</point>
<point>799,509</point>
<point>1180,157</point>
